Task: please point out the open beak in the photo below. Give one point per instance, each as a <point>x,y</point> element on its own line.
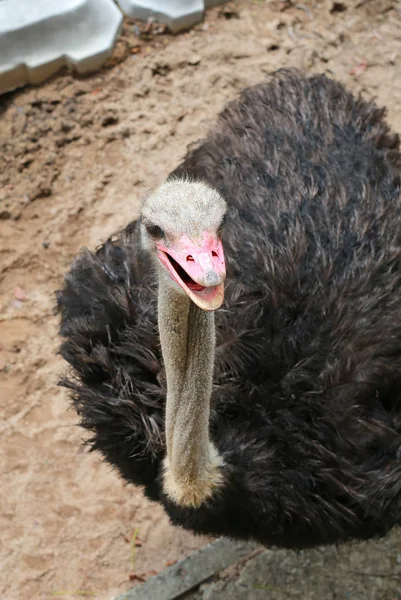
<point>198,268</point>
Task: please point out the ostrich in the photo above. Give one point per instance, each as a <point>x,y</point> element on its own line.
<point>277,417</point>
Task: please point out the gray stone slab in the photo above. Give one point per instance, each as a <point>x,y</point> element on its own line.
<point>190,572</point>
<point>368,571</point>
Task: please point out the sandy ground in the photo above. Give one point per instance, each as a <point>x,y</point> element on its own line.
<point>76,155</point>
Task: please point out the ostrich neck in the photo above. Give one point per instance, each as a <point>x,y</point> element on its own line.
<point>187,337</point>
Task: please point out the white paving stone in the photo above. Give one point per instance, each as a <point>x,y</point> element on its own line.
<point>37,37</point>
<point>176,14</point>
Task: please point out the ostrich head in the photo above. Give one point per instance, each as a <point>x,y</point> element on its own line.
<point>181,229</point>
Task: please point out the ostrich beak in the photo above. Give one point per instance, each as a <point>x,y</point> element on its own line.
<point>198,267</point>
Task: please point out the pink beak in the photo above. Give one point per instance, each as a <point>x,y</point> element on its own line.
<point>198,268</point>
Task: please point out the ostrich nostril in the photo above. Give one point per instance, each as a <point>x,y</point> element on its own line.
<point>190,258</point>
<point>214,254</point>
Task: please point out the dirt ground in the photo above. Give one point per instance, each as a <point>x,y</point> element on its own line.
<point>76,156</point>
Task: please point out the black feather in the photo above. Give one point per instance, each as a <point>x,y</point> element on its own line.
<point>306,405</point>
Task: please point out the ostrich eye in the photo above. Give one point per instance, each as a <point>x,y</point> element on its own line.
<point>154,231</point>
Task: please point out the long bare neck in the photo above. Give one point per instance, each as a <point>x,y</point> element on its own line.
<point>192,466</point>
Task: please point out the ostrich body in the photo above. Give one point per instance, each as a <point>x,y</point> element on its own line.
<point>277,417</point>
